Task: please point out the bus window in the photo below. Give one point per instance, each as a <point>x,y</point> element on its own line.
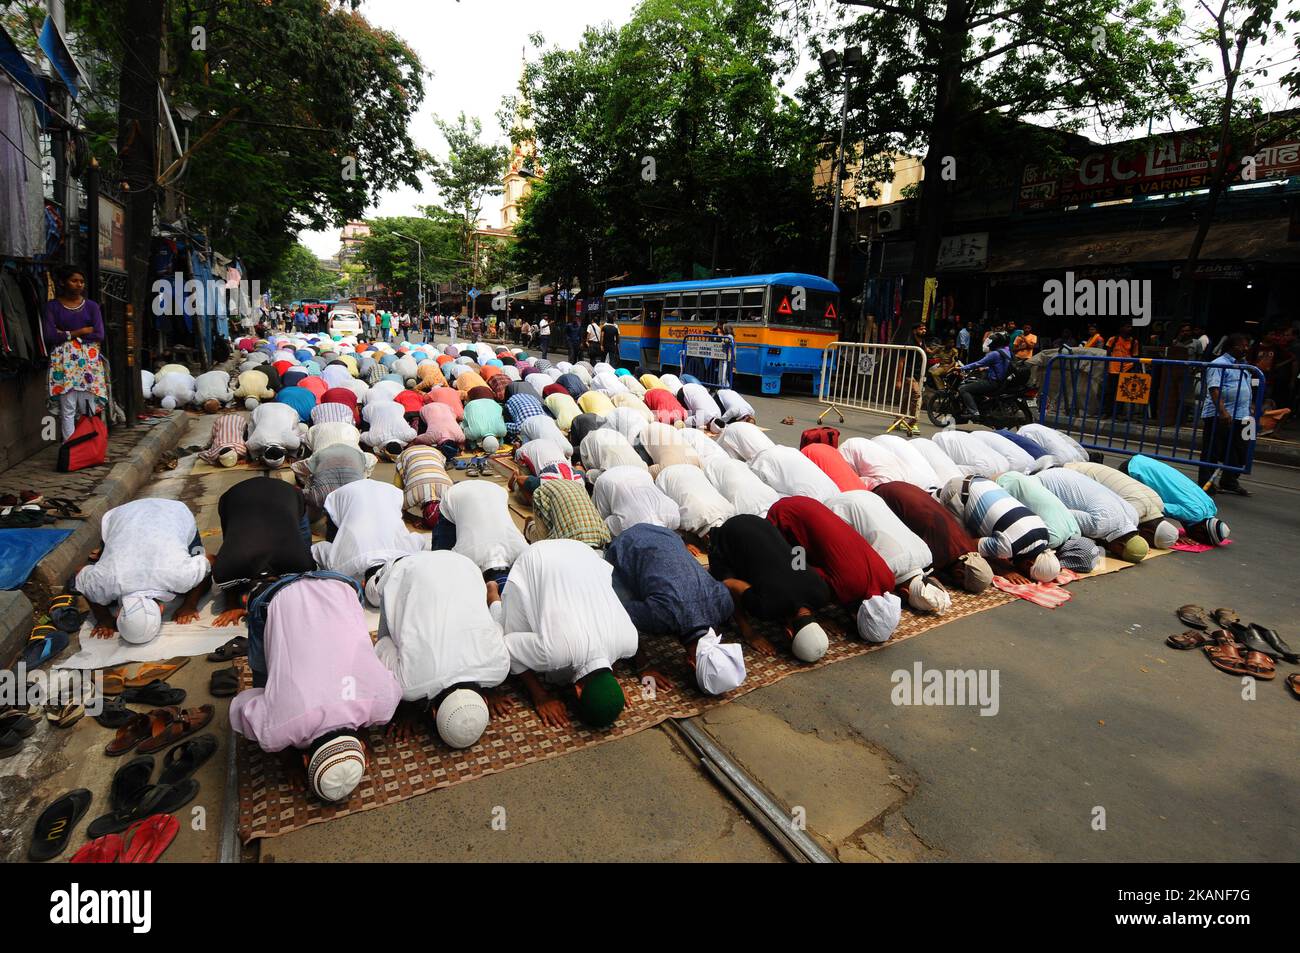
<point>729,307</point>
<point>690,306</point>
<point>751,307</point>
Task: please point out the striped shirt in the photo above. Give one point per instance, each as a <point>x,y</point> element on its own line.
<point>565,511</point>
<point>338,413</point>
<point>1006,529</point>
<point>227,434</point>
<point>519,408</point>
<point>1102,513</point>
<point>1144,500</point>
<point>422,475</point>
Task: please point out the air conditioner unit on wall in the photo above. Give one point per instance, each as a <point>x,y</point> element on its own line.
<point>889,219</point>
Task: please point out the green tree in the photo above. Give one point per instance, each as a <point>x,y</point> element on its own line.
<point>299,275</point>
<point>472,171</point>
<point>668,149</point>
<point>302,113</point>
<point>395,261</point>
<point>940,74</point>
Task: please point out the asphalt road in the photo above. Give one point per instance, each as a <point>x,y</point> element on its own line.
<point>1105,746</point>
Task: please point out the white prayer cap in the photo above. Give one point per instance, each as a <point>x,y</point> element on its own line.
<point>1216,530</point>
<point>718,668</point>
<point>139,620</point>
<point>810,643</point>
<point>228,457</point>
<point>461,718</point>
<point>251,403</point>
<point>1166,534</point>
<point>878,617</point>
<point>169,402</point>
<point>977,574</point>
<point>491,444</point>
<point>1046,567</point>
<point>926,595</point>
<point>337,767</point>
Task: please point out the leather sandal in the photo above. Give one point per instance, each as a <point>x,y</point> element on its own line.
<point>1260,666</point>
<point>128,736</point>
<point>169,725</point>
<point>1191,640</point>
<point>1195,616</point>
<point>1227,658</point>
<point>1293,685</point>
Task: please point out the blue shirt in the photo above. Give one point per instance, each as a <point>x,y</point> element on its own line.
<point>1184,500</point>
<point>996,360</point>
<point>300,399</point>
<point>665,590</point>
<point>1235,392</point>
<point>963,338</point>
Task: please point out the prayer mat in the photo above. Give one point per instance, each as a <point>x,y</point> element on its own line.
<point>269,805</point>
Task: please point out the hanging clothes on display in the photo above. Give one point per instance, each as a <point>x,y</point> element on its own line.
<point>22,192</point>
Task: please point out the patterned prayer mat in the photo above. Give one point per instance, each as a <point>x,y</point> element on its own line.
<point>270,805</point>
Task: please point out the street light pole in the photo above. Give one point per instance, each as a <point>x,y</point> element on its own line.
<point>419,267</point>
<point>831,60</point>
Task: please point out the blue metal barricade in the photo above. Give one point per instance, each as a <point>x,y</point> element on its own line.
<point>1154,407</point>
<point>711,358</point>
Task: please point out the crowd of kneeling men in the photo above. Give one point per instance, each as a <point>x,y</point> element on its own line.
<point>628,479</point>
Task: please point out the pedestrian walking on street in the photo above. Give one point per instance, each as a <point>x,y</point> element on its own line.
<point>1228,406</point>
<point>544,336</point>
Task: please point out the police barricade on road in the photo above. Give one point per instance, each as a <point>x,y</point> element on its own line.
<point>710,358</point>
<point>1154,406</point>
<point>882,379</point>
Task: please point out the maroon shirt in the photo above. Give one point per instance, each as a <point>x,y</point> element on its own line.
<point>852,569</point>
<point>928,518</point>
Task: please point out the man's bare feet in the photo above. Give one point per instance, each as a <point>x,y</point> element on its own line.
<point>758,643</point>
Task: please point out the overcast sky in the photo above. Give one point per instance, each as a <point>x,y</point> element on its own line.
<point>473,49</point>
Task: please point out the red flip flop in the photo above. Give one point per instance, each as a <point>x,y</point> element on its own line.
<point>102,850</point>
<point>150,838</point>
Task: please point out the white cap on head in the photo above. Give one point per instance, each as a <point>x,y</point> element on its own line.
<point>228,457</point>
<point>372,589</point>
<point>718,668</point>
<point>810,643</point>
<point>1165,535</point>
<point>878,617</point>
<point>251,403</point>
<point>491,444</point>
<point>169,402</point>
<point>139,620</point>
<point>926,595</point>
<point>1046,567</point>
<point>337,768</point>
<point>461,718</point>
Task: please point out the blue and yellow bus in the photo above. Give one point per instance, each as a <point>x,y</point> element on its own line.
<point>782,322</point>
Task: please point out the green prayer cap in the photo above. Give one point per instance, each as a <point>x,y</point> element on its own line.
<point>602,699</point>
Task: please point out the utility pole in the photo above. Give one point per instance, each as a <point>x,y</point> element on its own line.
<point>137,134</point>
<point>419,267</point>
<point>830,61</point>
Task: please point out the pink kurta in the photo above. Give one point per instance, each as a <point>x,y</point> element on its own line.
<point>323,674</point>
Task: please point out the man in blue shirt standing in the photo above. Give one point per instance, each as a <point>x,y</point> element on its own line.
<point>998,362</point>
<point>963,342</point>
<point>1229,403</point>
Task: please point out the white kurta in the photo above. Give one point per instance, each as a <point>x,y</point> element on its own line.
<point>917,469</point>
<point>870,516</point>
<point>433,631</point>
<point>702,508</point>
<point>1060,445</point>
<point>560,613</point>
<point>939,461</point>
<point>744,441</point>
<point>536,455</point>
<point>274,425</point>
<point>625,496</point>
<point>368,515</point>
<point>630,421</point>
<point>606,448</point>
<point>146,553</point>
<point>705,447</point>
<point>971,456</point>
<point>387,422</point>
<point>1015,456</point>
<point>542,427</point>
<point>873,462</point>
<point>734,406</point>
<point>485,531</point>
<point>214,385</point>
<point>333,432</point>
<point>790,473</point>
<point>701,404</point>
<point>739,485</point>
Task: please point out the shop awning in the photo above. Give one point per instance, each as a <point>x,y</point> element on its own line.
<point>1258,241</point>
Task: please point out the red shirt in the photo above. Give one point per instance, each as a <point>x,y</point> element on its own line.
<point>829,460</point>
<point>342,395</point>
<point>411,401</point>
<point>928,518</point>
<point>852,569</point>
<point>665,406</point>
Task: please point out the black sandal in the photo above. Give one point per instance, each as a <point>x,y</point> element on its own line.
<point>115,713</point>
<point>224,683</point>
<point>235,648</point>
<point>157,693</point>
<point>54,826</point>
<point>186,758</point>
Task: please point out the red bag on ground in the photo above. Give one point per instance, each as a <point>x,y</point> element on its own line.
<point>826,435</point>
<point>87,446</point>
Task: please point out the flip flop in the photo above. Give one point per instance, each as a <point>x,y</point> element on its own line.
<point>128,736</point>
<point>157,693</point>
<point>169,725</point>
<point>54,826</point>
<point>1195,616</point>
<point>224,683</point>
<point>117,821</point>
<point>114,685</point>
<point>43,644</point>
<point>130,782</point>
<point>65,613</point>
<point>65,716</point>
<point>235,648</point>
<point>1191,640</point>
<point>186,758</point>
<point>154,671</point>
<point>101,850</point>
<point>150,838</point>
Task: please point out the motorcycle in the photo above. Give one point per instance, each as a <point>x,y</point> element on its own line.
<point>1008,406</point>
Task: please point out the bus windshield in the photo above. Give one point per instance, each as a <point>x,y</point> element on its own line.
<point>821,308</point>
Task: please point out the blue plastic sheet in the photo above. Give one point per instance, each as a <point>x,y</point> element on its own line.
<point>22,549</point>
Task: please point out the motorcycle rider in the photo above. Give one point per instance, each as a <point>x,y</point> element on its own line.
<point>998,362</point>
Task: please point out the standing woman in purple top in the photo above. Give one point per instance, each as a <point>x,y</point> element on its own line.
<point>74,333</point>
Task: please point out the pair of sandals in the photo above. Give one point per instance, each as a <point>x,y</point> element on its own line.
<point>159,729</point>
<point>134,798</point>
<point>1252,636</point>
<point>157,694</point>
<point>145,842</point>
